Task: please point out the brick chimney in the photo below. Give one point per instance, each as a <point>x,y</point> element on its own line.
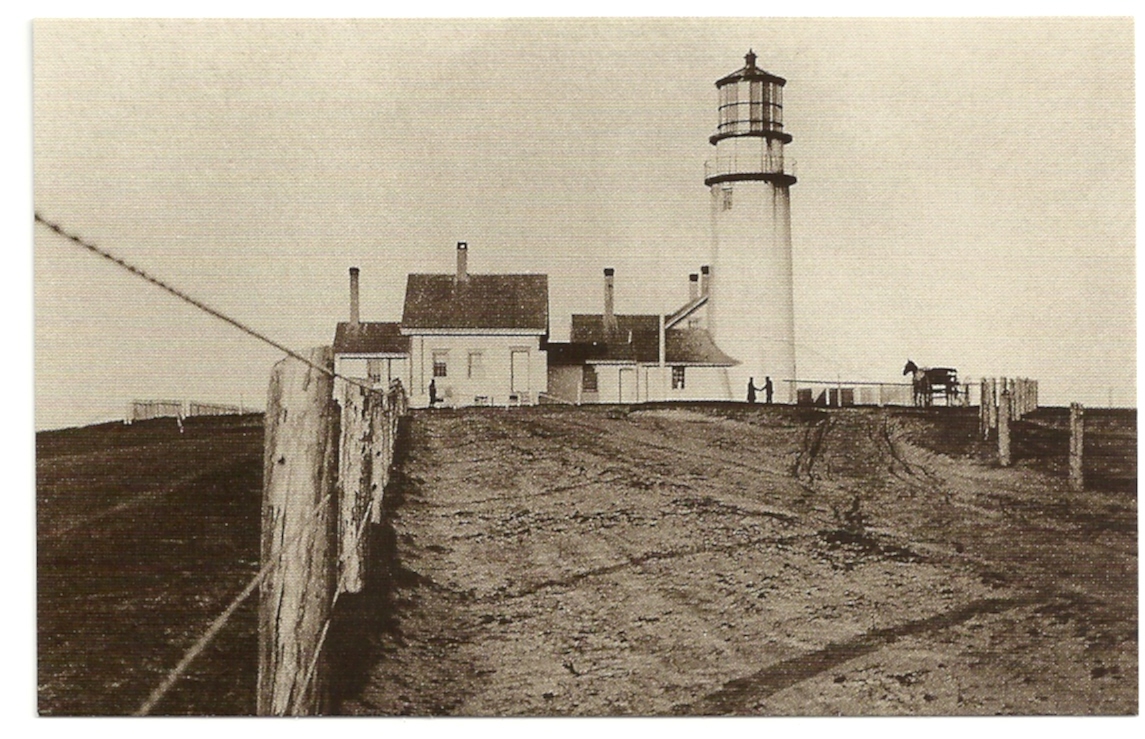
<point>462,262</point>
<point>610,326</point>
<point>354,317</point>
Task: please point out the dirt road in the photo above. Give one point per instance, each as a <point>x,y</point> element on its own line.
<point>742,560</point>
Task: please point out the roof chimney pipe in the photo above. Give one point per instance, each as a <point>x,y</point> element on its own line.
<point>693,287</point>
<point>354,318</point>
<point>610,326</point>
<point>705,280</point>
<point>462,261</point>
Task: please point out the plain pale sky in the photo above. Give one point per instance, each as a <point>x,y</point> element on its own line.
<point>965,195</point>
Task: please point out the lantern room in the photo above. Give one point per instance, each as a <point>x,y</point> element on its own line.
<point>751,103</point>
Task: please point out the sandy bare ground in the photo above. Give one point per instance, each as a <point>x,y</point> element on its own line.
<point>739,560</point>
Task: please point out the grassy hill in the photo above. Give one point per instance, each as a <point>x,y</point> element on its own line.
<point>144,534</point>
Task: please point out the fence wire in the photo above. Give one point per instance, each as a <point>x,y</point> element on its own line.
<point>181,295</point>
<point>200,645</point>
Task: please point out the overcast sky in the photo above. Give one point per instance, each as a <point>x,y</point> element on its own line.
<point>965,194</point>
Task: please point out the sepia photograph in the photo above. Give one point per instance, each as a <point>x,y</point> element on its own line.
<point>585,367</point>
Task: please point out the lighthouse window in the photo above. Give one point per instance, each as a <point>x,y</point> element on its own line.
<point>729,103</point>
<point>726,198</point>
<point>756,105</point>
<point>775,105</point>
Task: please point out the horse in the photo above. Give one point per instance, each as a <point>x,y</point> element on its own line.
<point>918,380</point>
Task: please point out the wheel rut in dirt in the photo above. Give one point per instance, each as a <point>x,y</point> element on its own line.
<point>666,561</point>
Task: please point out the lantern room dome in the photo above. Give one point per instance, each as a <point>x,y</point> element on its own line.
<point>749,71</point>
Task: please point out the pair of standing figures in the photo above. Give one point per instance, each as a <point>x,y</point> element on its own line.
<point>767,389</point>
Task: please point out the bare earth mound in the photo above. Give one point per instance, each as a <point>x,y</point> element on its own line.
<point>743,560</point>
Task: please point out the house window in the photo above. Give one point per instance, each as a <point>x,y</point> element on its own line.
<point>439,363</point>
<point>677,378</point>
<point>476,366</point>
<point>374,369</point>
<point>588,379</point>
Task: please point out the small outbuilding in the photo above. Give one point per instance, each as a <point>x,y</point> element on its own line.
<point>370,351</point>
<point>615,358</point>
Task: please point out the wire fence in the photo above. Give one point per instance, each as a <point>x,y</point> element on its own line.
<point>152,409</point>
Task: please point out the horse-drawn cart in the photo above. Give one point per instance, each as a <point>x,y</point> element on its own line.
<point>931,383</point>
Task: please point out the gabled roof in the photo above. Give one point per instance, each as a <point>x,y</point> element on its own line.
<point>684,311</point>
<point>370,338</point>
<point>481,302</point>
<point>638,340</point>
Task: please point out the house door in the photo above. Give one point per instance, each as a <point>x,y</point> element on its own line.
<point>518,371</point>
<point>627,386</point>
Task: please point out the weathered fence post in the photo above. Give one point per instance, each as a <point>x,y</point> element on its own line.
<point>993,402</point>
<point>1004,428</point>
<point>354,480</point>
<point>1076,446</point>
<point>300,465</point>
<point>983,409</point>
<point>381,411</point>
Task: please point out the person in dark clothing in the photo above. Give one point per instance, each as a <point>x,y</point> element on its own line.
<point>767,388</point>
<point>752,389</point>
<point>432,394</point>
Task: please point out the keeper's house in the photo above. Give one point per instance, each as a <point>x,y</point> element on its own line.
<point>480,339</point>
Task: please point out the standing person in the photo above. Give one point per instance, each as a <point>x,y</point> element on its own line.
<point>432,393</point>
<point>767,388</point>
<point>751,389</point>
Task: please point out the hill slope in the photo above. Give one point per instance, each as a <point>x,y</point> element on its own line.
<point>730,559</point>
<point>144,534</point>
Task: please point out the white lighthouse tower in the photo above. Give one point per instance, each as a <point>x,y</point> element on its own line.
<point>751,311</point>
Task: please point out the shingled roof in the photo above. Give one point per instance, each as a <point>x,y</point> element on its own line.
<point>481,302</point>
<point>638,340</point>
<point>370,338</point>
<point>694,346</point>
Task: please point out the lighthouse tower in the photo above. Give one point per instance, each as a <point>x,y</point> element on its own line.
<point>751,313</point>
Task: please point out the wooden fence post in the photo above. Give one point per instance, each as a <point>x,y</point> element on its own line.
<point>993,402</point>
<point>1076,446</point>
<point>983,409</point>
<point>354,480</point>
<point>300,465</point>
<point>383,418</point>
<point>1004,428</point>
